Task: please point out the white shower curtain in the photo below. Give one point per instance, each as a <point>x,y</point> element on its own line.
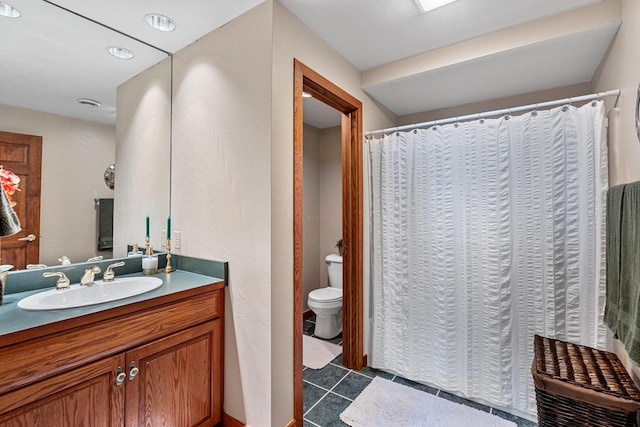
<point>483,234</point>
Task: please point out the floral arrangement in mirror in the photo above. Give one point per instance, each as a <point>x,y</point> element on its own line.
<point>10,182</point>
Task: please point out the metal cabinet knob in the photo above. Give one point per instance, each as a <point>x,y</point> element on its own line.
<point>120,376</point>
<point>133,370</point>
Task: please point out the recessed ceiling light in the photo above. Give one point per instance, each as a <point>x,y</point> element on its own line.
<point>120,52</point>
<point>9,11</point>
<point>160,22</point>
<point>306,95</point>
<point>89,102</point>
<point>428,5</point>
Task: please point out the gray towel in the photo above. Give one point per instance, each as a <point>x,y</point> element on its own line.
<point>614,222</point>
<point>105,224</point>
<point>9,222</point>
<point>627,324</point>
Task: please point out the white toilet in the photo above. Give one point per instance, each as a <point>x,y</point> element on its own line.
<point>326,303</point>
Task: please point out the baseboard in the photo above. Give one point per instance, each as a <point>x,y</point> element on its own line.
<point>307,314</point>
<point>229,421</point>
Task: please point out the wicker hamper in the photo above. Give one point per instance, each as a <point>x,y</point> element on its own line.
<point>581,386</point>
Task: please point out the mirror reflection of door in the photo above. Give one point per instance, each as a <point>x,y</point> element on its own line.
<point>22,155</point>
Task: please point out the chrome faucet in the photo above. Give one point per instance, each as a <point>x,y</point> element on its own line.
<point>63,281</point>
<point>109,275</point>
<point>89,276</point>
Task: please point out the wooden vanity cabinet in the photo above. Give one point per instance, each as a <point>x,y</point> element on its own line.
<point>173,380</point>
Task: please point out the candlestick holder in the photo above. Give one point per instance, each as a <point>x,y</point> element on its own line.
<point>169,268</point>
<point>148,245</point>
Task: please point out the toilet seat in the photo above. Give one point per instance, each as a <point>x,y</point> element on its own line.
<point>325,295</point>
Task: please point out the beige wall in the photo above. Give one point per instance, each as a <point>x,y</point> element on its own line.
<point>312,150</point>
<point>322,203</point>
<point>498,104</point>
<point>232,181</point>
<point>75,154</point>
<point>621,70</point>
<point>221,191</point>
<point>330,196</point>
<point>291,39</point>
<point>142,157</point>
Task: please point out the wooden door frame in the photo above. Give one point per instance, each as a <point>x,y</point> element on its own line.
<point>353,357</point>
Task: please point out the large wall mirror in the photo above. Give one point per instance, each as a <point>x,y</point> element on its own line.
<point>51,58</point>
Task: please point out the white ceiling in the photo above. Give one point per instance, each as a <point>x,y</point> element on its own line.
<point>562,61</point>
<point>374,32</point>
<point>194,18</point>
<point>50,57</point>
<point>319,114</point>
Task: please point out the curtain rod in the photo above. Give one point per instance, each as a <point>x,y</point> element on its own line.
<point>615,92</point>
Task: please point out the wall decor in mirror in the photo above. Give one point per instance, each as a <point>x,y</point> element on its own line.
<point>61,122</point>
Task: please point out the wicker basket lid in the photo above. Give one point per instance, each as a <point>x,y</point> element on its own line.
<point>583,373</point>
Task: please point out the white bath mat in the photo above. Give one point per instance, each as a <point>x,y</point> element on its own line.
<point>385,403</point>
<point>316,353</point>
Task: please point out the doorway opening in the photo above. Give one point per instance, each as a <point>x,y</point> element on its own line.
<point>353,357</point>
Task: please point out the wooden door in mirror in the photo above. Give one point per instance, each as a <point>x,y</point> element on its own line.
<point>22,155</point>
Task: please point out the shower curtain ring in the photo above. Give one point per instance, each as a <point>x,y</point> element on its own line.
<point>508,115</point>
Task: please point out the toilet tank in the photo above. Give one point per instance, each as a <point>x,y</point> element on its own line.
<point>334,267</point>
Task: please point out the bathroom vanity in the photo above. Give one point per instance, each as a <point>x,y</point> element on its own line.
<point>153,360</point>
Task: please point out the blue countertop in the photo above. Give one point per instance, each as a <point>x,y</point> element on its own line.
<point>14,319</point>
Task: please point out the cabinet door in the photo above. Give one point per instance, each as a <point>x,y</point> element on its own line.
<point>178,382</point>
<point>85,396</point>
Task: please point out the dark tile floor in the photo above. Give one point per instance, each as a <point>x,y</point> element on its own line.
<point>328,391</point>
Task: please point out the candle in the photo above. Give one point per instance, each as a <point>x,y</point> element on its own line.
<point>169,228</point>
<point>147,226</point>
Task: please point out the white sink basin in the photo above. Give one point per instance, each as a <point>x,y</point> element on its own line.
<point>80,296</point>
